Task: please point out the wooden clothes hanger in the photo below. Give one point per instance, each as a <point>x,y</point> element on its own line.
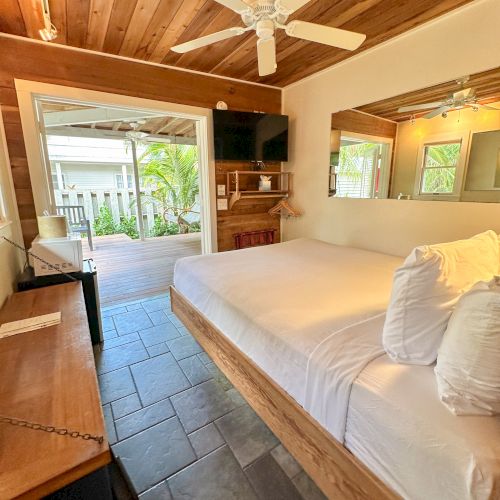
<point>284,208</point>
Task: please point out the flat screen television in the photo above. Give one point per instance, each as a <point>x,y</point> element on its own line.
<point>250,136</point>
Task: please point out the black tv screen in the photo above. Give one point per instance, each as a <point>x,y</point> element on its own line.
<point>250,136</point>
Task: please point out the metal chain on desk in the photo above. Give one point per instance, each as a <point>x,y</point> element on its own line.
<point>72,278</point>
<point>47,428</point>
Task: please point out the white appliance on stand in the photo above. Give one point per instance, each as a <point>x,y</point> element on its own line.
<point>64,254</point>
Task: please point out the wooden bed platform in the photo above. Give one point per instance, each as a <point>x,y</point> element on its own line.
<point>338,473</point>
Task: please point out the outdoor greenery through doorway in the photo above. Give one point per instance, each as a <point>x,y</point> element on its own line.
<point>171,171</point>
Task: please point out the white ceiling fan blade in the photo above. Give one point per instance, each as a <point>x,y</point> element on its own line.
<point>207,40</point>
<point>484,106</point>
<point>418,107</point>
<point>289,6</point>
<point>237,5</point>
<point>436,112</point>
<point>335,37</point>
<point>266,54</point>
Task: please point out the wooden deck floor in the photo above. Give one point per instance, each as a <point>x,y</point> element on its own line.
<point>130,269</point>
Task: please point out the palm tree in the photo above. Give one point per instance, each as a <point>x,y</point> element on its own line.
<point>443,158</point>
<point>172,171</point>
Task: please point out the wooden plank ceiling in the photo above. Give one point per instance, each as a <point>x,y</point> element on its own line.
<point>485,84</point>
<point>146,29</point>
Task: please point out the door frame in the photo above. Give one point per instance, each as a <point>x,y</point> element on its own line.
<point>28,92</point>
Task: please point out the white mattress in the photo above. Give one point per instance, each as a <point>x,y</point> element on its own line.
<point>398,427</point>
<point>280,302</point>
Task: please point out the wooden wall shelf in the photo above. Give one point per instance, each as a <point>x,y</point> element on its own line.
<point>239,186</point>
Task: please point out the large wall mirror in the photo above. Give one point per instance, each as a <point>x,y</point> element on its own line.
<point>440,143</point>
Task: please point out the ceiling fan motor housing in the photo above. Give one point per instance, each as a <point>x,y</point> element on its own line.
<point>265,29</point>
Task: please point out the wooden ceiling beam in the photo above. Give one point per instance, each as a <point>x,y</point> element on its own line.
<point>11,19</point>
<point>31,11</point>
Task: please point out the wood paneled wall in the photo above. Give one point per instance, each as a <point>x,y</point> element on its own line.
<point>53,64</point>
<point>247,214</point>
<point>362,123</point>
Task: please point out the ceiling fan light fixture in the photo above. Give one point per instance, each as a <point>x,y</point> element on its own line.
<point>444,114</point>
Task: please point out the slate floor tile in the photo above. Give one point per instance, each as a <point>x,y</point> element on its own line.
<point>108,422</point>
<point>109,334</point>
<point>174,319</point>
<point>216,476</point>
<point>107,323</point>
<point>115,385</point>
<point>118,357</point>
<point>307,488</point>
<point>131,321</point>
<point>126,405</point>
<point>269,480</point>
<point>158,492</point>
<point>236,397</point>
<point>116,341</point>
<point>194,370</point>
<point>159,333</point>
<point>205,358</point>
<point>156,304</point>
<point>218,376</point>
<point>144,418</point>
<point>289,465</point>
<point>201,405</point>
<point>184,347</point>
<point>134,307</point>
<point>158,378</point>
<point>183,330</point>
<point>206,440</point>
<point>158,317</point>
<point>155,454</point>
<point>157,349</point>
<point>110,311</point>
<point>246,434</point>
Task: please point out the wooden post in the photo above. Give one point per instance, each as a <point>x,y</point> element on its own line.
<point>138,201</point>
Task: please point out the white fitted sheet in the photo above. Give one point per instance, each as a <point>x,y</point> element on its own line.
<point>398,427</point>
<point>278,302</point>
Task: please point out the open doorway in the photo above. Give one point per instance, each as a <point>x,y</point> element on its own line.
<point>129,182</point>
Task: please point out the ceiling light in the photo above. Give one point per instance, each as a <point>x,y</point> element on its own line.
<point>444,115</point>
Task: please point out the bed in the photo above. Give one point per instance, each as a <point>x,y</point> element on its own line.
<point>296,327</point>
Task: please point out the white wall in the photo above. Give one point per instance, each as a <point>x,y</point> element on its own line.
<point>10,258</point>
<point>463,42</point>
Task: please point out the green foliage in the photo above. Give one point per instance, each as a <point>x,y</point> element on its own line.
<point>440,171</point>
<point>128,226</point>
<point>164,228</point>
<point>105,224</point>
<point>172,171</point>
<point>195,227</point>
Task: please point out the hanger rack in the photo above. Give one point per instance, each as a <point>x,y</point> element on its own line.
<point>283,207</point>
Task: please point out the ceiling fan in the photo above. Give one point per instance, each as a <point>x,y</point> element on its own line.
<point>265,16</point>
<point>465,97</point>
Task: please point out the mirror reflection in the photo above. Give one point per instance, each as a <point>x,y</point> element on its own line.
<point>441,143</point>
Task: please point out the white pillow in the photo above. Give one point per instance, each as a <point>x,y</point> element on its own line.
<point>425,290</point>
<point>468,363</point>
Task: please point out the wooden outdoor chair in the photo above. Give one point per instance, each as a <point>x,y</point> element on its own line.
<point>77,221</point>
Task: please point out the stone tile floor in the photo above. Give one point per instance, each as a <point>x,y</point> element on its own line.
<point>175,422</point>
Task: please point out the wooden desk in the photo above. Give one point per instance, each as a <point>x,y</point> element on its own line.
<point>48,376</point>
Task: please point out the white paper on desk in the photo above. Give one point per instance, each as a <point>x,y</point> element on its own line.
<point>30,324</point>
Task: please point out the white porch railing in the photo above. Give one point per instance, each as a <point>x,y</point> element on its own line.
<point>119,201</point>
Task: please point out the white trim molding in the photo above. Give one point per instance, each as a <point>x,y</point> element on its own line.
<point>28,92</point>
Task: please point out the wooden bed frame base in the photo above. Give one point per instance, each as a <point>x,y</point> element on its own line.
<point>335,470</point>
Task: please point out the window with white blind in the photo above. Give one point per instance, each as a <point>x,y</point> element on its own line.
<point>363,168</point>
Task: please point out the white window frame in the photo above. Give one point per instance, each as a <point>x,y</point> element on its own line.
<point>386,160</point>
<point>435,139</point>
<point>27,93</point>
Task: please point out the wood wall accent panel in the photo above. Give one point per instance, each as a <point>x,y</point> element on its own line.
<point>147,29</point>
<point>486,84</point>
<point>335,470</point>
<point>361,123</point>
<point>26,60</point>
<point>247,214</point>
